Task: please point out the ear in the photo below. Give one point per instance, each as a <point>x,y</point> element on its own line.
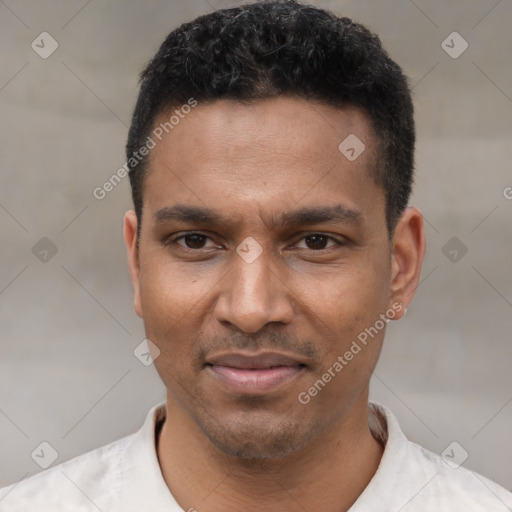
<point>130,239</point>
<point>408,251</point>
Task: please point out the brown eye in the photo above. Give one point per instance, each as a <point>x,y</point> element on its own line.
<point>317,242</point>
<point>192,241</point>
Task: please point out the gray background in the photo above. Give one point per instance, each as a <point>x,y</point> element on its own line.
<point>68,374</point>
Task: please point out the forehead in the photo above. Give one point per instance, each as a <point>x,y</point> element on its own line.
<point>255,157</point>
<point>289,126</point>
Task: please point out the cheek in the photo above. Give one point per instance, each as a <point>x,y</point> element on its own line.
<point>344,310</point>
<point>170,293</point>
<point>351,342</point>
<point>171,302</point>
<point>352,294</point>
<point>176,304</point>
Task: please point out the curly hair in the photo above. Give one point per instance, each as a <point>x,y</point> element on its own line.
<point>282,48</point>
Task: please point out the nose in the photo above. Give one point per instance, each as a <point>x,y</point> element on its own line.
<point>252,295</point>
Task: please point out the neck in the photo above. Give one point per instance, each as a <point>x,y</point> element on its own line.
<point>328,474</point>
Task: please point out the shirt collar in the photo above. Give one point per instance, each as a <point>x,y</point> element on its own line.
<point>399,477</point>
<point>142,476</point>
<point>144,483</point>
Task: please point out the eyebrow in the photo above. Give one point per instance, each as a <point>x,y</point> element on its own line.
<point>304,216</point>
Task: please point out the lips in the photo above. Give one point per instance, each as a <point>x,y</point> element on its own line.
<point>255,362</point>
<point>254,374</point>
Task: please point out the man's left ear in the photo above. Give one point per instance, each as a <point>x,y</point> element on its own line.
<point>408,250</point>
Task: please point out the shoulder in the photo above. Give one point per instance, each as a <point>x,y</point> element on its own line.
<point>451,485</point>
<point>86,481</point>
<point>412,478</point>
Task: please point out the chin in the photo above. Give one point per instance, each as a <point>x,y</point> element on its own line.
<point>267,447</point>
<point>257,439</point>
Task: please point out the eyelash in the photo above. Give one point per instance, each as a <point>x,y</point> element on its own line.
<point>173,240</point>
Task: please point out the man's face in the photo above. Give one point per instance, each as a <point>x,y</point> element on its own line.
<point>263,255</point>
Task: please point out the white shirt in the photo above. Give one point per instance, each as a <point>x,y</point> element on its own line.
<point>125,476</point>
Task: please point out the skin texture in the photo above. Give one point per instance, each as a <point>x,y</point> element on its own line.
<point>308,298</point>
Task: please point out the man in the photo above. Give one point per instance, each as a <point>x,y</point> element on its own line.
<point>271,161</point>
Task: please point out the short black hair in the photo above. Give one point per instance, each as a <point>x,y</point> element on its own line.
<point>282,48</point>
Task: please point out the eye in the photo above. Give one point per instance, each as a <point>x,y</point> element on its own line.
<point>192,241</point>
<point>199,241</point>
<point>318,242</point>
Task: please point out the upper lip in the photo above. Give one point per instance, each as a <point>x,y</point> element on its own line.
<point>253,361</point>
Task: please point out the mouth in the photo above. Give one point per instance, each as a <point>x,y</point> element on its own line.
<point>251,374</point>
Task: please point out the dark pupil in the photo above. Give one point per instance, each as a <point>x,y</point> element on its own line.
<point>195,241</point>
<point>316,241</point>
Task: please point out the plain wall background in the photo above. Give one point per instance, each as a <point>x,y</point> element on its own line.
<point>68,375</point>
